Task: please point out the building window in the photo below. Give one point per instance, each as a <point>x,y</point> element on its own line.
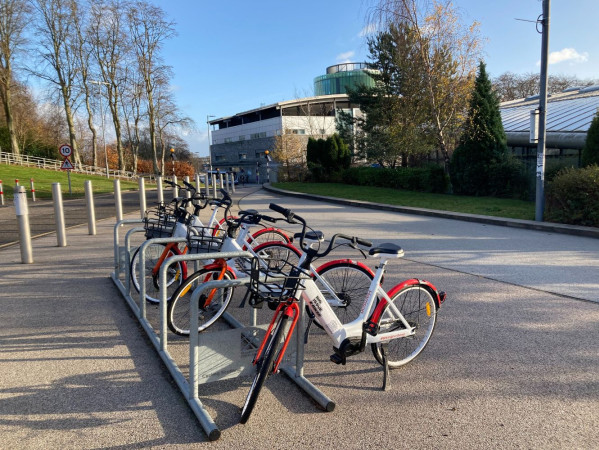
<point>227,140</point>
<point>298,131</point>
<point>242,138</point>
<point>220,157</point>
<point>243,156</point>
<point>258,135</point>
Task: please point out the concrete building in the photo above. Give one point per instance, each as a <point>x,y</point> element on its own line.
<point>239,142</point>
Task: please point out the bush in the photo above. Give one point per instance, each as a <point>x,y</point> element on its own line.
<point>507,178</point>
<point>590,152</point>
<point>422,179</point>
<point>573,197</point>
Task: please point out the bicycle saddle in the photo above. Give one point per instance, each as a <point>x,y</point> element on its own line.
<point>386,248</point>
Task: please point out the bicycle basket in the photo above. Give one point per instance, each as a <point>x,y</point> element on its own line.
<point>204,240</point>
<point>159,221</point>
<point>274,283</point>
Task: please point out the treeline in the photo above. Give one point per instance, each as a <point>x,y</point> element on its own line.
<point>100,62</point>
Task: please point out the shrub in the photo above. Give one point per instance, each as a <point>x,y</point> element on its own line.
<point>590,152</point>
<point>422,179</point>
<point>573,197</point>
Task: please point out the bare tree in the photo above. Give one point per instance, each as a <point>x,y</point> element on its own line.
<point>511,86</point>
<point>57,48</point>
<point>448,53</point>
<point>290,151</point>
<point>149,29</point>
<point>14,19</point>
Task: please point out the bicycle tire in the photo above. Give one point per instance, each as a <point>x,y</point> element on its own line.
<point>178,308</point>
<point>279,256</point>
<point>419,309</point>
<point>263,367</point>
<point>176,272</point>
<point>351,283</point>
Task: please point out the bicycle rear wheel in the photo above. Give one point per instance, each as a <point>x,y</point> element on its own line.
<point>264,366</point>
<point>178,315</point>
<point>419,309</point>
<point>175,273</point>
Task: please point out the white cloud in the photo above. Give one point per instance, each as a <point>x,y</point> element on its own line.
<point>345,57</point>
<point>567,54</point>
<point>368,30</point>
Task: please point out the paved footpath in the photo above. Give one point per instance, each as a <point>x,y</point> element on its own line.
<point>512,364</point>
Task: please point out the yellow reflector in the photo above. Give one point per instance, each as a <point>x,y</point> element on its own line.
<point>428,309</point>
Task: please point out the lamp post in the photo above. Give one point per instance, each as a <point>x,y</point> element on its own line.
<point>99,83</point>
<point>266,153</point>
<point>173,159</point>
<point>209,146</point>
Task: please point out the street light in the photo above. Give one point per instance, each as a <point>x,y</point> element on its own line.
<point>103,128</point>
<point>268,158</point>
<point>209,150</point>
<point>173,159</point>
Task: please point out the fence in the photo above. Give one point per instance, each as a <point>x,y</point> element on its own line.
<point>54,164</point>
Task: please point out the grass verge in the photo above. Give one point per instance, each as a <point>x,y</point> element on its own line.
<point>43,180</point>
<point>486,206</point>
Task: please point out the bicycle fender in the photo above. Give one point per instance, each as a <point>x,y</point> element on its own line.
<point>350,261</point>
<point>266,230</point>
<point>216,266</point>
<point>438,296</point>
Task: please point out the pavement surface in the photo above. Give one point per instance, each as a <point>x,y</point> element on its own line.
<point>513,362</point>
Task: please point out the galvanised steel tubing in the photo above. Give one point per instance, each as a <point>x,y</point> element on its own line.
<point>118,202</point>
<point>119,224</point>
<point>128,253</point>
<point>91,213</point>
<point>22,212</point>
<point>61,235</point>
<point>142,197</point>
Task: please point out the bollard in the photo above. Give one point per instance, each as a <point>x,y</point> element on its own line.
<point>159,190</point>
<point>1,194</point>
<point>91,213</point>
<point>207,185</point>
<point>22,212</point>
<point>16,182</point>
<point>118,201</point>
<point>214,184</point>
<point>61,235</point>
<point>233,182</point>
<point>187,192</point>
<point>198,188</point>
<point>32,190</point>
<point>220,179</point>
<point>142,197</point>
<point>175,187</point>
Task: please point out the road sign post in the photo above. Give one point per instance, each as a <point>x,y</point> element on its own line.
<point>66,151</point>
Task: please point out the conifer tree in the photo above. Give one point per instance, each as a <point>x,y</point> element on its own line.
<point>590,152</point>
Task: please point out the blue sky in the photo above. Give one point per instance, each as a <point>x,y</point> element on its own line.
<point>234,56</point>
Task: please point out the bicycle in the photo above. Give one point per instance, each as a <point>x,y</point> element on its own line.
<point>172,222</point>
<point>341,280</point>
<point>397,324</point>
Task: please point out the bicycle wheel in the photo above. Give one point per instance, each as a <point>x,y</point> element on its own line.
<point>267,235</point>
<point>175,273</point>
<point>264,366</point>
<point>178,308</point>
<point>417,306</point>
<point>350,283</point>
<point>279,256</point>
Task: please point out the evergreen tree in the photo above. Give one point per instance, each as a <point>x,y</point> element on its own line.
<point>327,157</point>
<point>483,145</point>
<point>590,152</point>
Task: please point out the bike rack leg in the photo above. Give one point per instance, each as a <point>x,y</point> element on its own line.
<point>385,366</point>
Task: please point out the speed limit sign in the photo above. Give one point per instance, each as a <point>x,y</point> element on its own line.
<point>65,150</point>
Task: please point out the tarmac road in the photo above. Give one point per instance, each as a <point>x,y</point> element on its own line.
<point>513,362</point>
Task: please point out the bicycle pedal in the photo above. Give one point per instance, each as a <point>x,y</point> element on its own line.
<point>338,359</point>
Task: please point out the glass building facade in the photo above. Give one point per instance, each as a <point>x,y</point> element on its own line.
<point>341,76</point>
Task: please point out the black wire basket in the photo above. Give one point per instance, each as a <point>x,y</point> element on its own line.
<point>204,239</point>
<point>275,282</point>
<point>159,221</point>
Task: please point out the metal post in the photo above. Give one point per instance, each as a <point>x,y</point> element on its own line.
<point>22,211</point>
<point>207,185</point>
<point>175,188</point>
<point>214,184</point>
<point>91,213</point>
<point>16,182</point>
<point>540,191</point>
<point>1,194</point>
<point>61,235</point>
<point>187,192</point>
<point>220,176</point>
<point>142,197</point>
<point>233,182</point>
<point>159,190</point>
<point>118,202</point>
<point>32,190</point>
<point>197,180</point>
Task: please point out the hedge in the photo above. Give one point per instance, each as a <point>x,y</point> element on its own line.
<point>422,179</point>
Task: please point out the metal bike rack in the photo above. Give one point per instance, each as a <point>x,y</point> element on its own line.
<point>189,387</point>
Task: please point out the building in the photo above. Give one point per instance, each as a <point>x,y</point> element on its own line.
<point>239,142</point>
<point>568,117</point>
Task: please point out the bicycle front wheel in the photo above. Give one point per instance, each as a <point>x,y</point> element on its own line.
<point>278,256</point>
<point>417,306</point>
<point>175,273</point>
<point>345,286</point>
<point>264,366</point>
<point>267,235</point>
<point>178,315</point>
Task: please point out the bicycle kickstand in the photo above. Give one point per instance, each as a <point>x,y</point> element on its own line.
<point>385,366</point>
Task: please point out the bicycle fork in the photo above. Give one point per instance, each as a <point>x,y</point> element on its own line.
<point>289,310</point>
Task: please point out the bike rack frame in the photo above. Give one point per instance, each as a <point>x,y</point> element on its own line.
<point>189,387</point>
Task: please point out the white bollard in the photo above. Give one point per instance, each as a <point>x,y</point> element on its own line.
<point>175,188</point>
<point>159,190</point>
<point>32,190</point>
<point>118,201</point>
<point>198,186</point>
<point>233,182</point>
<point>1,194</point>
<point>220,177</point>
<point>91,212</point>
<point>22,211</point>
<point>61,235</point>
<point>214,184</point>
<point>142,197</point>
<point>187,192</point>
